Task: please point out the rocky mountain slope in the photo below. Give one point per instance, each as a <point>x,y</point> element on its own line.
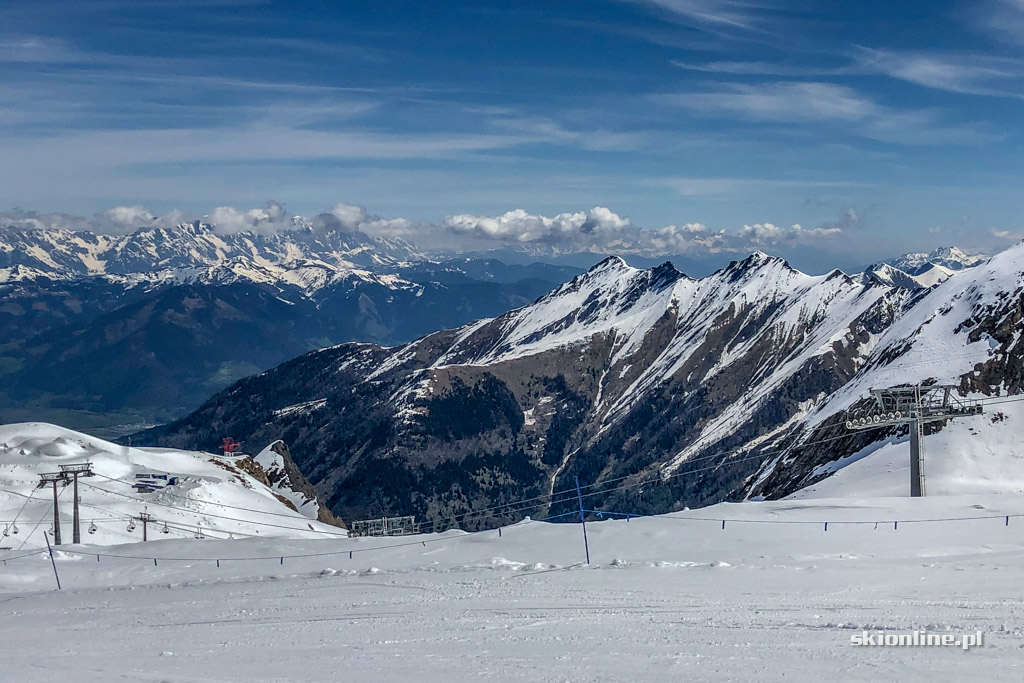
<point>617,374</point>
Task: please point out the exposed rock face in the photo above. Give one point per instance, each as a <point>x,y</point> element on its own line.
<point>616,375</point>
<point>285,478</point>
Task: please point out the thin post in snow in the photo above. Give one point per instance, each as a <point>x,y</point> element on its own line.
<point>583,521</point>
<point>52,561</point>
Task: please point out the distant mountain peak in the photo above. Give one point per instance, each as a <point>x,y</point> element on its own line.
<point>951,258</point>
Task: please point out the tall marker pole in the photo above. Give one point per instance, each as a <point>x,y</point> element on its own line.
<point>583,521</point>
<point>54,563</point>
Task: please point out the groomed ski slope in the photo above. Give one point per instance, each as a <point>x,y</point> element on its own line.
<point>772,596</point>
<point>663,598</point>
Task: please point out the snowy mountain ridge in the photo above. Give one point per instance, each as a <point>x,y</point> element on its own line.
<point>619,370</point>
<point>67,253</point>
<point>196,252</point>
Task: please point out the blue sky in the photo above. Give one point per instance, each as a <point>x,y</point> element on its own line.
<point>877,127</point>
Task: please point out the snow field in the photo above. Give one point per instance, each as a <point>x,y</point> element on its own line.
<point>773,596</point>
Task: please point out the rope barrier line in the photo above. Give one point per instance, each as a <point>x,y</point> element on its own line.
<point>740,520</point>
<point>279,556</point>
<point>423,542</point>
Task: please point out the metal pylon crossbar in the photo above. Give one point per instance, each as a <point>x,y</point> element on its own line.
<point>914,406</point>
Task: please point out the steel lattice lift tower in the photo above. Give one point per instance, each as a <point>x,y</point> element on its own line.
<point>76,471</point>
<point>914,406</point>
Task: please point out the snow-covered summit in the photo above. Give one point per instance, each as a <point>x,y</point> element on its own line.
<point>949,258</point>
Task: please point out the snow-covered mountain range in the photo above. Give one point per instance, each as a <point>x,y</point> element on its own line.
<point>107,329</point>
<point>192,494</point>
<point>189,250</point>
<point>619,375</point>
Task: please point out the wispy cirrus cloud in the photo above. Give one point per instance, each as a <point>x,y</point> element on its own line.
<point>716,13</point>
<point>814,102</point>
<point>754,68</point>
<point>968,74</point>
<point>1001,18</point>
<point>724,186</point>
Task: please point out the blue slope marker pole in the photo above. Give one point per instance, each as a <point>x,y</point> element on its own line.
<point>579,495</point>
<point>49,549</point>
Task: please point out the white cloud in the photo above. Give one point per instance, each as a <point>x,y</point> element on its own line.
<point>19,219</point>
<point>687,238</point>
<point>595,225</point>
<point>600,229</point>
<point>269,219</point>
<point>769,234</point>
<point>352,218</point>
